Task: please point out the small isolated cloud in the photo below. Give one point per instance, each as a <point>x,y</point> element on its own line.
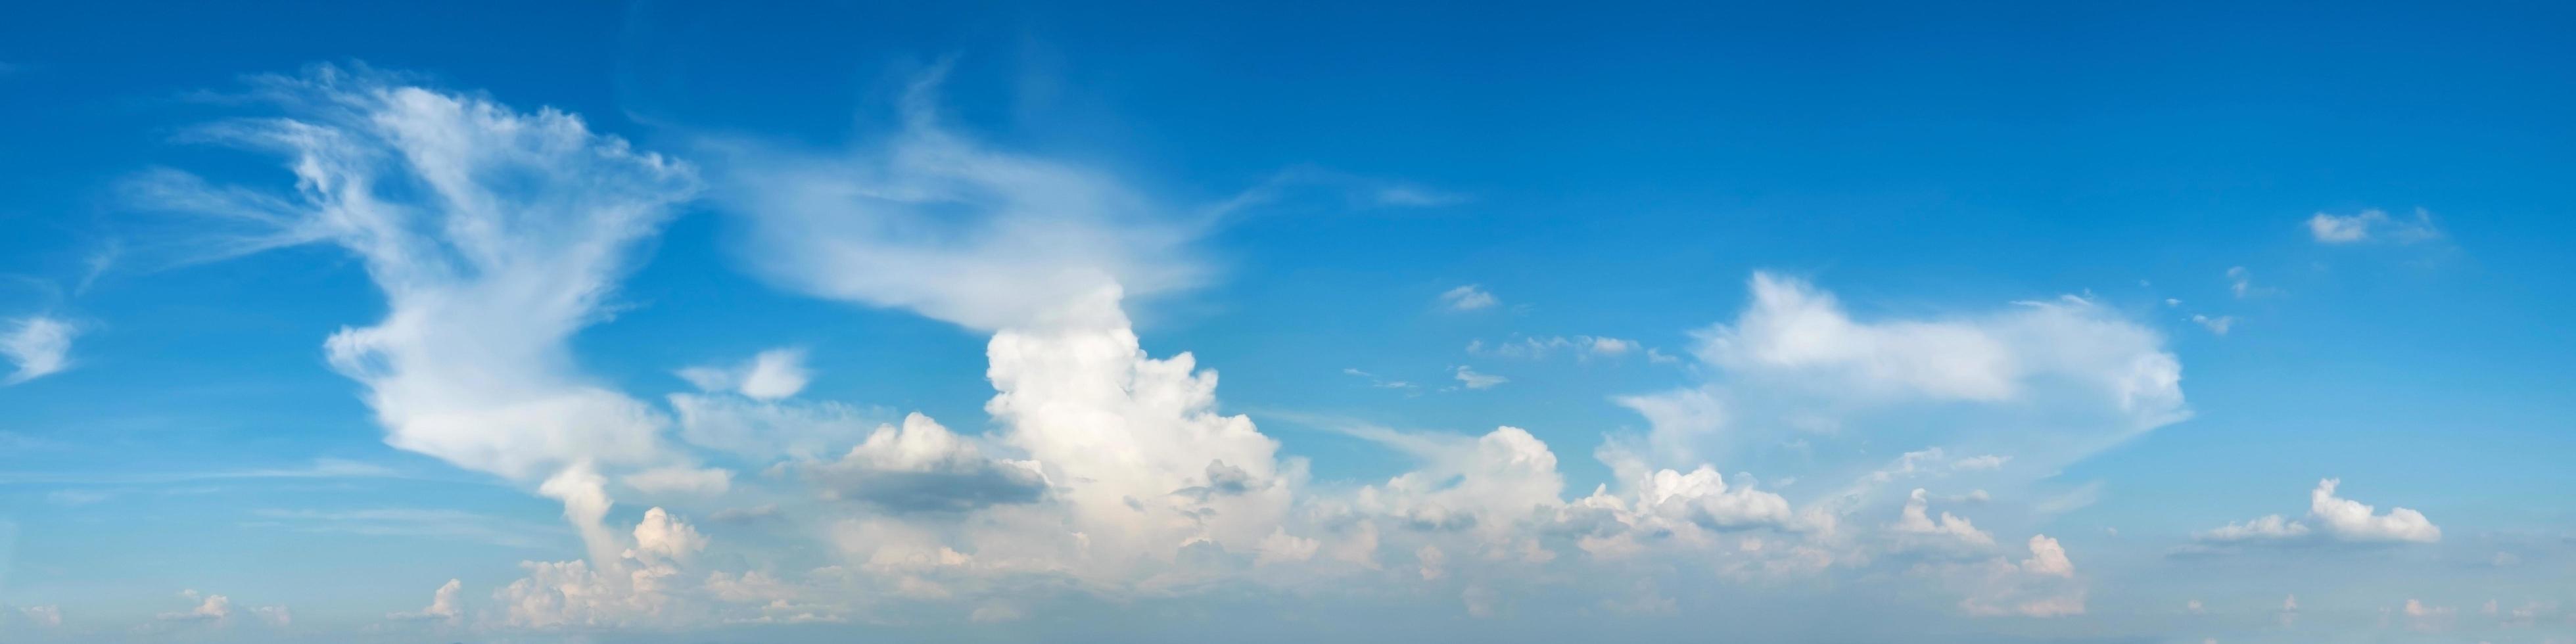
<point>2372,225</point>
<point>37,346</point>
<point>1584,347</point>
<point>1471,297</point>
<point>2216,325</point>
<point>1468,377</point>
<point>2331,518</point>
<point>210,608</point>
<point>774,374</point>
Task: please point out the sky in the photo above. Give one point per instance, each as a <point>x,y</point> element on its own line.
<point>998,322</point>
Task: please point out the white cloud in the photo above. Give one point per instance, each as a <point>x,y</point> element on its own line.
<point>1794,331</point>
<point>1470,379</point>
<point>768,376</point>
<point>209,608</point>
<point>2241,283</point>
<point>2216,325</point>
<point>37,346</point>
<point>494,235</point>
<point>639,581</point>
<point>1917,520</point>
<point>922,467</point>
<point>2332,518</point>
<point>1468,298</point>
<point>443,605</point>
<point>1794,374</point>
<point>1584,347</point>
<point>2372,225</point>
<point>935,223</point>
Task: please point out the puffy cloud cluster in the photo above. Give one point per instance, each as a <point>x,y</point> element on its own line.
<point>496,235</point>
<point>2332,518</point>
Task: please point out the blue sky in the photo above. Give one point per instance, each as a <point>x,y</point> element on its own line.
<point>1973,323</point>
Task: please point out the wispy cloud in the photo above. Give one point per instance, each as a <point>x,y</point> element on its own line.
<point>37,346</point>
<point>2373,225</point>
<point>1470,297</point>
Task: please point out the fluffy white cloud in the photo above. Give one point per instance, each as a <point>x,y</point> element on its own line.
<point>37,346</point>
<point>2372,225</point>
<point>2332,518</point>
<point>640,583</point>
<point>1917,520</point>
<point>920,467</point>
<point>1795,378</point>
<point>1796,332</point>
<point>1468,298</point>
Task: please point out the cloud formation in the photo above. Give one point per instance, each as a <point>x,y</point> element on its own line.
<point>2372,225</point>
<point>2332,518</point>
<point>37,346</point>
<point>1470,297</point>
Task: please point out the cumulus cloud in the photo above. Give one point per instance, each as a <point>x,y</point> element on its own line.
<point>443,605</point>
<point>1917,520</point>
<point>2331,518</point>
<point>37,346</point>
<point>922,467</point>
<point>639,582</point>
<point>1470,297</point>
<point>2372,225</point>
